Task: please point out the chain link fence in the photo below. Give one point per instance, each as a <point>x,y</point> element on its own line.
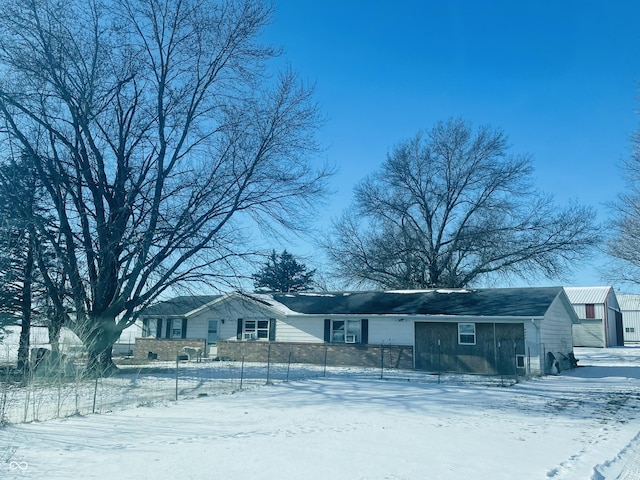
<point>66,390</point>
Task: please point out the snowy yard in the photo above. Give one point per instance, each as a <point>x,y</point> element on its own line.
<point>582,424</point>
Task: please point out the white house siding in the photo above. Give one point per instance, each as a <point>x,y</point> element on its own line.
<point>598,308</point>
<point>555,331</point>
<point>227,312</point>
<point>304,329</point>
<point>532,345</point>
<point>198,325</point>
<point>391,331</point>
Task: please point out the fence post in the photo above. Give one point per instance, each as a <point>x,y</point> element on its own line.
<point>95,394</point>
<point>381,361</point>
<point>268,363</point>
<point>177,363</point>
<point>326,347</point>
<point>515,362</point>
<point>439,361</point>
<point>288,365</point>
<point>242,371</point>
<point>500,366</point>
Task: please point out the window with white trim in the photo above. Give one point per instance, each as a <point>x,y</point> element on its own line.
<point>176,328</point>
<point>346,331</point>
<point>466,333</point>
<point>146,327</point>
<point>255,330</point>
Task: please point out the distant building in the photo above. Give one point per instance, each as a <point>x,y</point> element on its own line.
<point>600,317</point>
<point>630,307</point>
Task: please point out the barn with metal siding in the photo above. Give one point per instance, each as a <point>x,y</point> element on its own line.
<point>630,307</point>
<point>600,317</point>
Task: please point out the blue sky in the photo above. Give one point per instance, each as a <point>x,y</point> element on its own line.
<point>559,77</point>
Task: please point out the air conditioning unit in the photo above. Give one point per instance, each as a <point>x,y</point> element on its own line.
<point>350,339</point>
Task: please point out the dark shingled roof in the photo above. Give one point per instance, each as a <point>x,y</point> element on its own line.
<point>495,302</point>
<point>179,305</point>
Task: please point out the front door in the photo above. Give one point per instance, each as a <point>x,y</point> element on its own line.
<point>212,337</point>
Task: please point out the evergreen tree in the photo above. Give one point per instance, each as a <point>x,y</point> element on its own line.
<point>283,273</point>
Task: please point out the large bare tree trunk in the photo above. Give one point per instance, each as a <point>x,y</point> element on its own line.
<point>155,133</point>
<point>25,330</point>
<point>99,344</point>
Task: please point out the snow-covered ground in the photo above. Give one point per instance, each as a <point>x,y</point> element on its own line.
<point>582,424</point>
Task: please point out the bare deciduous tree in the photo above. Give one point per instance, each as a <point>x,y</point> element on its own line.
<point>624,243</point>
<point>159,137</point>
<point>450,207</point>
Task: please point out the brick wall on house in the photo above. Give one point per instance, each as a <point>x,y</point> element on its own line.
<point>165,348</point>
<point>395,356</point>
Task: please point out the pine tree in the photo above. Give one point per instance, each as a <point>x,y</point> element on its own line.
<point>283,273</point>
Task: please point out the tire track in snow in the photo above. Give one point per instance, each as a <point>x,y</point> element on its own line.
<point>625,466</point>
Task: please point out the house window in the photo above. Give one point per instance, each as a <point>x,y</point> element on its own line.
<point>146,331</point>
<point>176,328</point>
<point>630,330</point>
<point>467,333</point>
<point>346,331</point>
<point>590,310</point>
<point>258,329</point>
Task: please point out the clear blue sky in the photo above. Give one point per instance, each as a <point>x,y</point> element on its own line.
<point>559,77</point>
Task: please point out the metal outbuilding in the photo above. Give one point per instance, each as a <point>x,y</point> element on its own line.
<point>600,317</point>
<point>630,307</point>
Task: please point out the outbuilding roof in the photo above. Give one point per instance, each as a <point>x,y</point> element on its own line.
<point>495,302</point>
<point>583,295</point>
<point>629,301</point>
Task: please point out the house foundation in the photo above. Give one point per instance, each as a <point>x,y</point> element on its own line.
<point>165,349</point>
<point>337,355</point>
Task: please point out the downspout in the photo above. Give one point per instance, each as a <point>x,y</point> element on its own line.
<point>605,323</point>
<point>541,359</point>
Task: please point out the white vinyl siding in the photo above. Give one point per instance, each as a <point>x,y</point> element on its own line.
<point>391,331</point>
<point>555,330</point>
<point>197,327</point>
<point>630,306</point>
<point>631,322</point>
<point>301,329</point>
<point>598,310</point>
<point>310,329</point>
<point>588,333</point>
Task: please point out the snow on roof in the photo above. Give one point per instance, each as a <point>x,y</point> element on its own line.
<point>580,295</point>
<point>431,290</point>
<point>629,301</point>
<point>179,305</point>
<point>496,302</point>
